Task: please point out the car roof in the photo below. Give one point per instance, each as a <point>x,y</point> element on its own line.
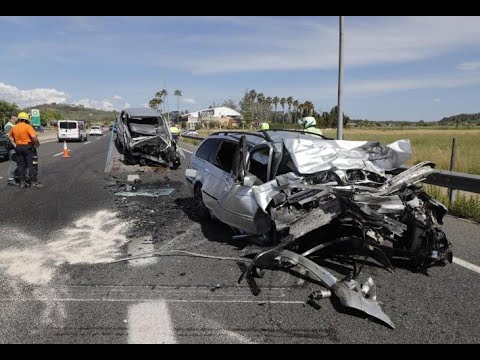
<point>263,137</point>
<point>142,112</point>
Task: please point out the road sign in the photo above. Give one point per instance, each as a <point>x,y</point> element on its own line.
<point>35,113</point>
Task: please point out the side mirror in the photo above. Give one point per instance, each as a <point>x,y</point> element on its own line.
<point>249,180</point>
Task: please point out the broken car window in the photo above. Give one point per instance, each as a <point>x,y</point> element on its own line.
<point>259,164</point>
<point>224,159</point>
<point>208,150</point>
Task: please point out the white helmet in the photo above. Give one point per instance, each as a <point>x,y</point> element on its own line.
<point>307,122</point>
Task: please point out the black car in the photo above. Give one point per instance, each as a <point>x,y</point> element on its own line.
<point>3,146</point>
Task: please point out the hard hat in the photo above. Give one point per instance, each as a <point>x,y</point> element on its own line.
<point>23,115</point>
<point>307,122</point>
<point>264,126</point>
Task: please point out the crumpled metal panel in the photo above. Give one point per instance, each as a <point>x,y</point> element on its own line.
<point>314,155</point>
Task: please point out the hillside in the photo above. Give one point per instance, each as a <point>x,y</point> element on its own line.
<point>52,112</point>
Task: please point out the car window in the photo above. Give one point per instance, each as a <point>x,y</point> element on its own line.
<point>258,164</point>
<point>68,125</point>
<point>225,156</point>
<point>208,150</point>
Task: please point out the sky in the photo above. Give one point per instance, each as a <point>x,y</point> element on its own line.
<point>396,68</point>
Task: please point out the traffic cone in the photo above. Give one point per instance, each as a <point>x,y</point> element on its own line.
<point>66,152</point>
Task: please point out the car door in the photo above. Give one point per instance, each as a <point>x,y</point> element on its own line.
<point>218,177</point>
<point>238,207</point>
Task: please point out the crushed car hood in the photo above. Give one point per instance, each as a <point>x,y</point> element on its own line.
<point>312,156</point>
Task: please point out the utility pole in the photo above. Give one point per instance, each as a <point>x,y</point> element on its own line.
<point>340,82</point>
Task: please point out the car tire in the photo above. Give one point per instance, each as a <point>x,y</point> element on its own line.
<point>202,210</point>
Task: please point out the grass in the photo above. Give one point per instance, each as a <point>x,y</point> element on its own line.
<point>428,144</point>
<point>466,205</point>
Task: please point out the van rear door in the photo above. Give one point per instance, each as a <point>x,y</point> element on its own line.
<point>68,130</point>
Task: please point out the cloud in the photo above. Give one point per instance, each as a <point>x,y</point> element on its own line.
<point>253,43</point>
<point>31,97</point>
<point>96,104</point>
<point>117,97</point>
<point>469,66</point>
<point>436,100</point>
<point>126,105</point>
<point>189,101</point>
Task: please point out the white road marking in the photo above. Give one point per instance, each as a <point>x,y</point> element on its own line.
<point>1,177</point>
<point>186,150</point>
<point>136,300</point>
<point>466,264</point>
<point>150,323</point>
<point>48,141</point>
<point>58,154</point>
<point>88,142</point>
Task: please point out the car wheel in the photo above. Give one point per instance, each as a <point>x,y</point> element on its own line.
<point>202,210</point>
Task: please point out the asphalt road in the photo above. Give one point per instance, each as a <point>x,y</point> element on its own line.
<point>59,282</point>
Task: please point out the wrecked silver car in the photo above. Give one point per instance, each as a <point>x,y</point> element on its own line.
<point>143,137</point>
<point>275,187</point>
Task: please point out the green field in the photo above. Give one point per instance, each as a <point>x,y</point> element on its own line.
<point>428,144</point>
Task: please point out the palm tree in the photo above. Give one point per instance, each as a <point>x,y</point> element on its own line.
<point>300,109</point>
<point>268,102</point>
<point>163,94</point>
<point>275,102</point>
<point>252,95</point>
<point>290,102</point>
<point>295,109</point>
<point>282,102</point>
<point>178,93</point>
<point>261,102</point>
<point>308,105</point>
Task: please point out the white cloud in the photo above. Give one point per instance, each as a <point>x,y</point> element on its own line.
<point>145,105</point>
<point>96,104</point>
<point>258,43</point>
<point>32,97</point>
<point>117,97</point>
<point>189,101</point>
<point>126,105</point>
<point>436,100</point>
<point>469,65</point>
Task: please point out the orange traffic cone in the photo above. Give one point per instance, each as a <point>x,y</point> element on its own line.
<point>66,152</point>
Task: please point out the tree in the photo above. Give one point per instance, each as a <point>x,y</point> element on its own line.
<point>295,110</point>
<point>252,95</point>
<point>230,104</point>
<point>275,102</point>
<point>290,102</point>
<point>163,94</point>
<point>7,109</point>
<point>178,93</point>
<point>282,102</point>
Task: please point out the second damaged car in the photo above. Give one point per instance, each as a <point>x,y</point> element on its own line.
<point>302,195</point>
<point>143,137</point>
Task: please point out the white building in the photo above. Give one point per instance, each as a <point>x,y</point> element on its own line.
<point>218,112</point>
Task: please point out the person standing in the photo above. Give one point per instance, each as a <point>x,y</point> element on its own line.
<point>25,140</point>
<point>175,131</point>
<point>12,156</point>
<point>309,125</point>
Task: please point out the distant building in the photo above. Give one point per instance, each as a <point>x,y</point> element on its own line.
<point>226,116</point>
<point>217,112</point>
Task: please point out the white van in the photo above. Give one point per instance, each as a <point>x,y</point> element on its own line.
<point>71,130</point>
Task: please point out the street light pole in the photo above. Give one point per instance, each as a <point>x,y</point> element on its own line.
<point>340,82</point>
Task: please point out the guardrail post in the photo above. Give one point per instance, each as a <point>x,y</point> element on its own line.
<point>452,193</point>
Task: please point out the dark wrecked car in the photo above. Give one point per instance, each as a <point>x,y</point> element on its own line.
<point>143,137</point>
<point>275,187</point>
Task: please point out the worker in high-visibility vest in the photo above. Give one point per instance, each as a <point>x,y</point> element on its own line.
<point>25,140</point>
<point>175,131</point>
<point>308,123</point>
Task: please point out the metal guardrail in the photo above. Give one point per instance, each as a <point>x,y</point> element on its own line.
<point>449,179</point>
